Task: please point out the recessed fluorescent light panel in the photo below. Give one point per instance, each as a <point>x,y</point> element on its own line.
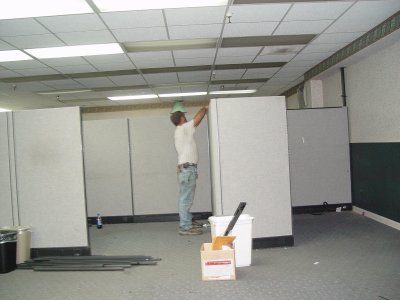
<point>182,94</point>
<point>13,55</point>
<point>133,97</point>
<point>72,51</point>
<point>124,5</point>
<point>233,92</point>
<point>4,109</point>
<point>64,92</point>
<point>14,9</point>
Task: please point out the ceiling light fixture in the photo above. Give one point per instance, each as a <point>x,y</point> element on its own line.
<point>39,8</point>
<point>232,92</point>
<point>123,5</point>
<point>4,109</point>
<point>13,55</point>
<point>182,94</point>
<point>132,97</point>
<point>64,92</point>
<point>72,51</point>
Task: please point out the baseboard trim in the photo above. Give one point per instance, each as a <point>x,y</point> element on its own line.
<point>271,242</point>
<point>61,251</point>
<point>147,218</point>
<point>309,209</point>
<point>378,218</point>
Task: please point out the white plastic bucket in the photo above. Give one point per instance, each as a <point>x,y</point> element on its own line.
<point>243,232</point>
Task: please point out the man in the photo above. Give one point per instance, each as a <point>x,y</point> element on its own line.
<point>185,146</point>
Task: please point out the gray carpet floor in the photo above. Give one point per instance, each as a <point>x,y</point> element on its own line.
<point>336,256</point>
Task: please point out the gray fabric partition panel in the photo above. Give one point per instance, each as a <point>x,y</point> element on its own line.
<point>319,156</point>
<point>250,145</point>
<point>49,169</point>
<point>6,212</point>
<point>107,167</point>
<point>154,160</point>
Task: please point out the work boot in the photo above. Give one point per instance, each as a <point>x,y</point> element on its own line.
<point>190,231</point>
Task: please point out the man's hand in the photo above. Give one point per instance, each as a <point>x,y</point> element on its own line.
<point>200,115</point>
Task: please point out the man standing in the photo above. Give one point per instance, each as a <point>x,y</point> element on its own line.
<point>185,146</point>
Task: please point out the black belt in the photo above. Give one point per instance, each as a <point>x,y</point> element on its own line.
<point>187,165</point>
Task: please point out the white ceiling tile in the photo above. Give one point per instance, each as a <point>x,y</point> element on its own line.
<point>194,61</point>
<point>7,73</point>
<point>333,38</point>
<point>87,37</point>
<point>64,61</point>
<point>24,64</point>
<point>70,23</point>
<point>249,86</point>
<point>76,69</point>
<point>364,15</point>
<point>127,80</point>
<point>34,41</point>
<point>198,76</point>
<point>314,56</point>
<point>302,27</point>
<point>221,60</point>
<point>167,90</point>
<point>228,74</point>
<point>219,87</point>
<point>114,66</point>
<point>274,58</point>
<point>161,78</point>
<point>281,50</point>
<point>258,13</point>
<point>256,76</point>
<point>317,11</point>
<point>37,71</point>
<point>136,56</point>
<point>63,84</point>
<point>134,19</point>
<point>159,59</point>
<point>197,15</point>
<point>194,88</point>
<point>146,64</point>
<point>5,46</point>
<point>140,34</point>
<point>21,27</point>
<point>31,87</point>
<point>106,59</point>
<point>299,62</point>
<point>249,29</point>
<point>95,82</point>
<point>323,48</point>
<point>198,31</point>
<point>239,51</point>
<point>195,53</point>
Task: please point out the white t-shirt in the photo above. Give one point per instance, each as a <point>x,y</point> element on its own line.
<point>185,144</point>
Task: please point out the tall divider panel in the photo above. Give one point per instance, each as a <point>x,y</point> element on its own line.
<point>50,176</point>
<point>107,167</point>
<point>319,156</point>
<point>250,163</point>
<point>6,213</point>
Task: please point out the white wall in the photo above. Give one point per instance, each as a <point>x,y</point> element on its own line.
<point>373,94</point>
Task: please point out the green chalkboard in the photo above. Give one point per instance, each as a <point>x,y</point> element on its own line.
<point>375,174</point>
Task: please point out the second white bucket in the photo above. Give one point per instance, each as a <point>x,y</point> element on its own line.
<point>243,232</point>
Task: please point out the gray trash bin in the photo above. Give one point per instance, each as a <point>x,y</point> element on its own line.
<point>23,242</point>
<point>8,250</point>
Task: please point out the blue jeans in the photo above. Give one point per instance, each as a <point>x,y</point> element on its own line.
<point>187,182</point>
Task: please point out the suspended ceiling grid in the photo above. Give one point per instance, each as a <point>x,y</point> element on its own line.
<point>262,45</point>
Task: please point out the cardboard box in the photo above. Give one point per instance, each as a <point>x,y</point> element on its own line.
<point>217,264</point>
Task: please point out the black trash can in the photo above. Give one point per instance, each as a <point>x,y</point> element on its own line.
<point>8,251</point>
